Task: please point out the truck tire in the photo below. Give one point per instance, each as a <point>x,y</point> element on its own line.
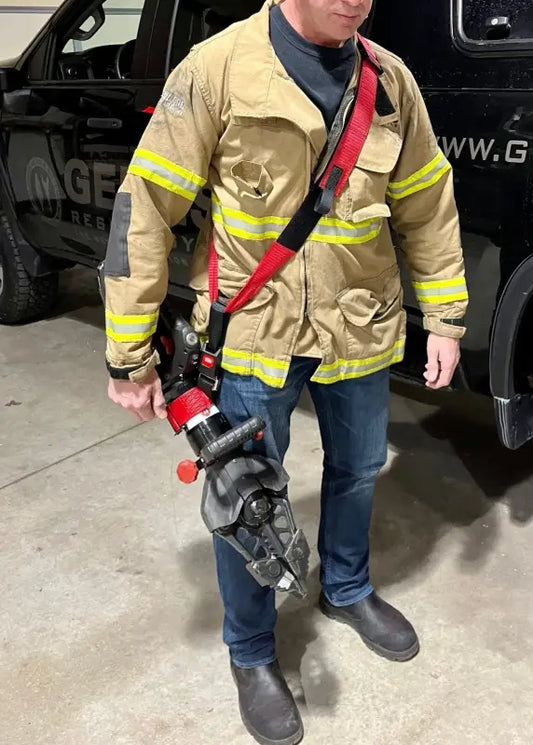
<point>22,297</point>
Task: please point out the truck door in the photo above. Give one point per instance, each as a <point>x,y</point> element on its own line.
<point>71,131</point>
<point>474,66</point>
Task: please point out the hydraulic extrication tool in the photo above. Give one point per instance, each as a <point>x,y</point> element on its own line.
<point>245,495</point>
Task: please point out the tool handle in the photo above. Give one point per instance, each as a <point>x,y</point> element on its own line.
<point>232,439</point>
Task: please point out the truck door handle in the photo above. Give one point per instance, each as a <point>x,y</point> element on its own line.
<point>498,27</point>
<point>104,123</point>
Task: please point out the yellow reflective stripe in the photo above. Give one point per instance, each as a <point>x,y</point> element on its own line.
<point>328,230</point>
<point>230,212</point>
<point>164,173</point>
<point>441,291</point>
<point>168,164</point>
<point>270,371</point>
<point>245,234</point>
<point>130,328</point>
<point>349,369</point>
<point>274,372</point>
<point>421,179</point>
<point>163,182</point>
<point>256,372</point>
<point>418,174</point>
<point>348,234</point>
<point>256,358</point>
<point>424,185</point>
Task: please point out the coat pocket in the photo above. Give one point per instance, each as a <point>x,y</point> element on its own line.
<point>381,150</point>
<point>371,311</point>
<point>252,179</point>
<point>263,297</point>
<point>369,180</point>
<point>358,305</point>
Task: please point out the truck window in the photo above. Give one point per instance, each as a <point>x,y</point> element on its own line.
<point>493,25</point>
<point>197,20</point>
<point>100,45</point>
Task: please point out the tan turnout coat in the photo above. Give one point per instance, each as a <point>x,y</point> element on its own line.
<point>231,119</point>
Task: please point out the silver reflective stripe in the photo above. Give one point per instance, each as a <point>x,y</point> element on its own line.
<point>422,179</point>
<point>130,328</point>
<point>358,233</point>
<point>358,368</point>
<point>328,230</point>
<point>116,260</point>
<point>258,231</point>
<point>186,185</point>
<point>449,289</point>
<point>270,371</point>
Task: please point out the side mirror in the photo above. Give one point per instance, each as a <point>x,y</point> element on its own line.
<point>10,79</point>
<point>24,102</point>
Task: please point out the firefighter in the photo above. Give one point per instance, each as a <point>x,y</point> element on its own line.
<point>247,114</point>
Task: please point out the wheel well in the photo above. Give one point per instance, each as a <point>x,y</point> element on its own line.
<point>511,353</point>
<point>523,353</point>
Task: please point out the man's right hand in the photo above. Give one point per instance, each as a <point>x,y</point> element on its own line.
<point>144,400</point>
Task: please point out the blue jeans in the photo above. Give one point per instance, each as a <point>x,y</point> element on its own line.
<point>353,418</point>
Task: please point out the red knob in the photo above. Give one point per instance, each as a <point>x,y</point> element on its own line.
<point>259,436</point>
<point>187,471</point>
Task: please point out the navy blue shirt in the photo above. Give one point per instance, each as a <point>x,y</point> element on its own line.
<point>323,73</point>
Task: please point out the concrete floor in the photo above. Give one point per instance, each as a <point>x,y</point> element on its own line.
<point>109,613</point>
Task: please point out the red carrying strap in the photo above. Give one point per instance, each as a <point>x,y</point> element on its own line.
<point>351,143</point>
<point>335,177</point>
<point>213,270</point>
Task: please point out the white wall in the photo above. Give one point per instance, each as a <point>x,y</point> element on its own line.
<point>20,21</point>
<point>17,29</point>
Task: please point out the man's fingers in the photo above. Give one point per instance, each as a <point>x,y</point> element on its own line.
<point>445,373</point>
<point>142,400</point>
<point>432,367</point>
<point>433,356</point>
<point>432,373</point>
<point>142,412</point>
<point>443,378</point>
<point>443,357</point>
<point>158,403</point>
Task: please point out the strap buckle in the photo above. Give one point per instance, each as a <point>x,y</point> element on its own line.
<point>324,203</point>
<point>210,365</point>
<point>209,377</point>
<point>218,324</point>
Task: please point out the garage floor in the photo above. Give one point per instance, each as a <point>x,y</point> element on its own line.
<point>109,612</point>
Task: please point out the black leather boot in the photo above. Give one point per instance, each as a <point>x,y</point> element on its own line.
<point>267,706</point>
<point>382,628</point>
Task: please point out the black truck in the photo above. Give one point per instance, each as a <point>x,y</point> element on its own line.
<point>74,106</point>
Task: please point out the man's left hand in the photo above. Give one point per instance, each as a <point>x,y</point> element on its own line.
<point>443,357</point>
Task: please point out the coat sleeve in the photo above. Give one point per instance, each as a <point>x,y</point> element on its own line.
<point>425,219</point>
<point>168,169</point>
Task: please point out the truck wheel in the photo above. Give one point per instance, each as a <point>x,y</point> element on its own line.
<point>22,297</point>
